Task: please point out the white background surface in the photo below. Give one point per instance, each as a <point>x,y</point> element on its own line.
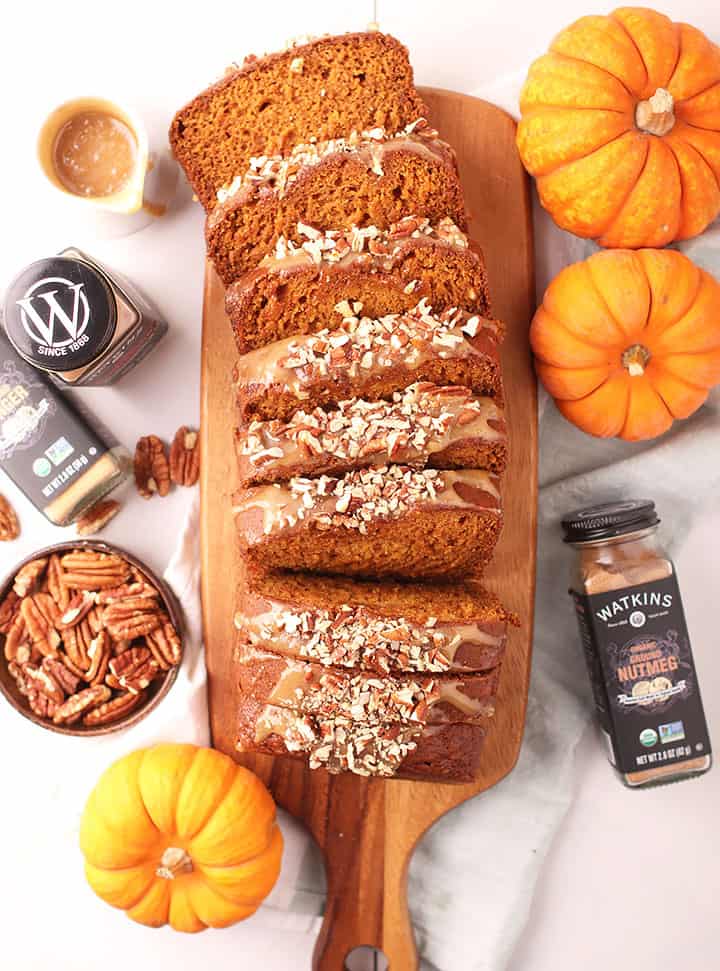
<point>632,881</point>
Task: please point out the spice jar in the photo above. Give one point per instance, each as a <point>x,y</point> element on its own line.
<point>636,644</point>
<point>48,448</point>
<point>67,316</point>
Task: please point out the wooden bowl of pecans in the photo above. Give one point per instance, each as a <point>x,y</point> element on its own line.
<point>91,639</point>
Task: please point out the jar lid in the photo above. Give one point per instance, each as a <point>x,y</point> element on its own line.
<point>60,313</point>
<point>609,519</point>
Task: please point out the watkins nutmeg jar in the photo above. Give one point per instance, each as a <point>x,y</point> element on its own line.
<point>636,644</point>
<point>68,316</point>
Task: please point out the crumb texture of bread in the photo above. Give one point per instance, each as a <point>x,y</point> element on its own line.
<point>323,90</point>
<point>342,189</point>
<point>300,292</point>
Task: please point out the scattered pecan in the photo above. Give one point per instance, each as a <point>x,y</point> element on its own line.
<point>111,711</point>
<point>90,570</point>
<point>152,473</point>
<point>29,576</point>
<point>185,457</point>
<point>131,618</point>
<point>164,643</point>
<point>8,611</point>
<point>134,669</point>
<point>55,580</point>
<point>97,517</point>
<point>9,525</point>
<point>78,704</point>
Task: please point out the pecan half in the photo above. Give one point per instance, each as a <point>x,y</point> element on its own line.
<point>112,711</point>
<point>164,642</point>
<point>185,457</point>
<point>9,525</point>
<point>99,654</point>
<point>62,675</point>
<point>131,618</point>
<point>78,704</point>
<point>40,703</point>
<point>97,517</point>
<point>76,641</point>
<point>89,570</point>
<point>29,576</point>
<point>45,683</point>
<point>134,669</point>
<point>41,631</point>
<point>8,611</point>
<point>17,636</point>
<point>138,588</point>
<point>152,473</point>
<point>55,580</point>
<point>78,608</point>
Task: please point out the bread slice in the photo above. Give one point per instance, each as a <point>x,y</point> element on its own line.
<point>368,179</point>
<point>431,753</point>
<point>391,521</point>
<point>322,88</point>
<point>370,358</point>
<point>363,695</point>
<point>298,288</point>
<point>380,626</point>
<point>425,425</point>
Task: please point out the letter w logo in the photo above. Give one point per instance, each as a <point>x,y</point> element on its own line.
<point>46,315</point>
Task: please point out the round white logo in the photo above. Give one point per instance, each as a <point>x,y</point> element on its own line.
<point>55,311</point>
<point>637,618</point>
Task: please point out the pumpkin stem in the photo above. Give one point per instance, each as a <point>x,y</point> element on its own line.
<point>174,862</point>
<point>635,360</point>
<point>655,116</point>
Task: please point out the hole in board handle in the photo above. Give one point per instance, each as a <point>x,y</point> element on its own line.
<point>366,958</point>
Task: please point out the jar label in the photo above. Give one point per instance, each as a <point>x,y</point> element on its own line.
<point>44,445</point>
<point>641,667</point>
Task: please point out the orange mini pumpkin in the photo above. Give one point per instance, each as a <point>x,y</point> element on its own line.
<point>627,341</point>
<point>181,835</point>
<point>621,129</point>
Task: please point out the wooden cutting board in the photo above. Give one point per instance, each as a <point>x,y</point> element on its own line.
<point>367,829</point>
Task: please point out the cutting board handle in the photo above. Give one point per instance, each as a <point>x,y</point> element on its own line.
<point>367,893</point>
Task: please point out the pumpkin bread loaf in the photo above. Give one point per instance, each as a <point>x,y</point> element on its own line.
<point>313,688</point>
<point>371,178</point>
<point>298,288</point>
<point>370,358</point>
<point>425,425</point>
<point>390,521</point>
<point>444,753</point>
<point>319,89</point>
<point>373,625</point>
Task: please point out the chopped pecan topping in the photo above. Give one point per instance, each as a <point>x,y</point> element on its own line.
<point>9,524</point>
<point>185,457</point>
<point>152,472</point>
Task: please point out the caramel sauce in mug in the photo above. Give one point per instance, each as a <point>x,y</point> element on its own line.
<point>94,154</point>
